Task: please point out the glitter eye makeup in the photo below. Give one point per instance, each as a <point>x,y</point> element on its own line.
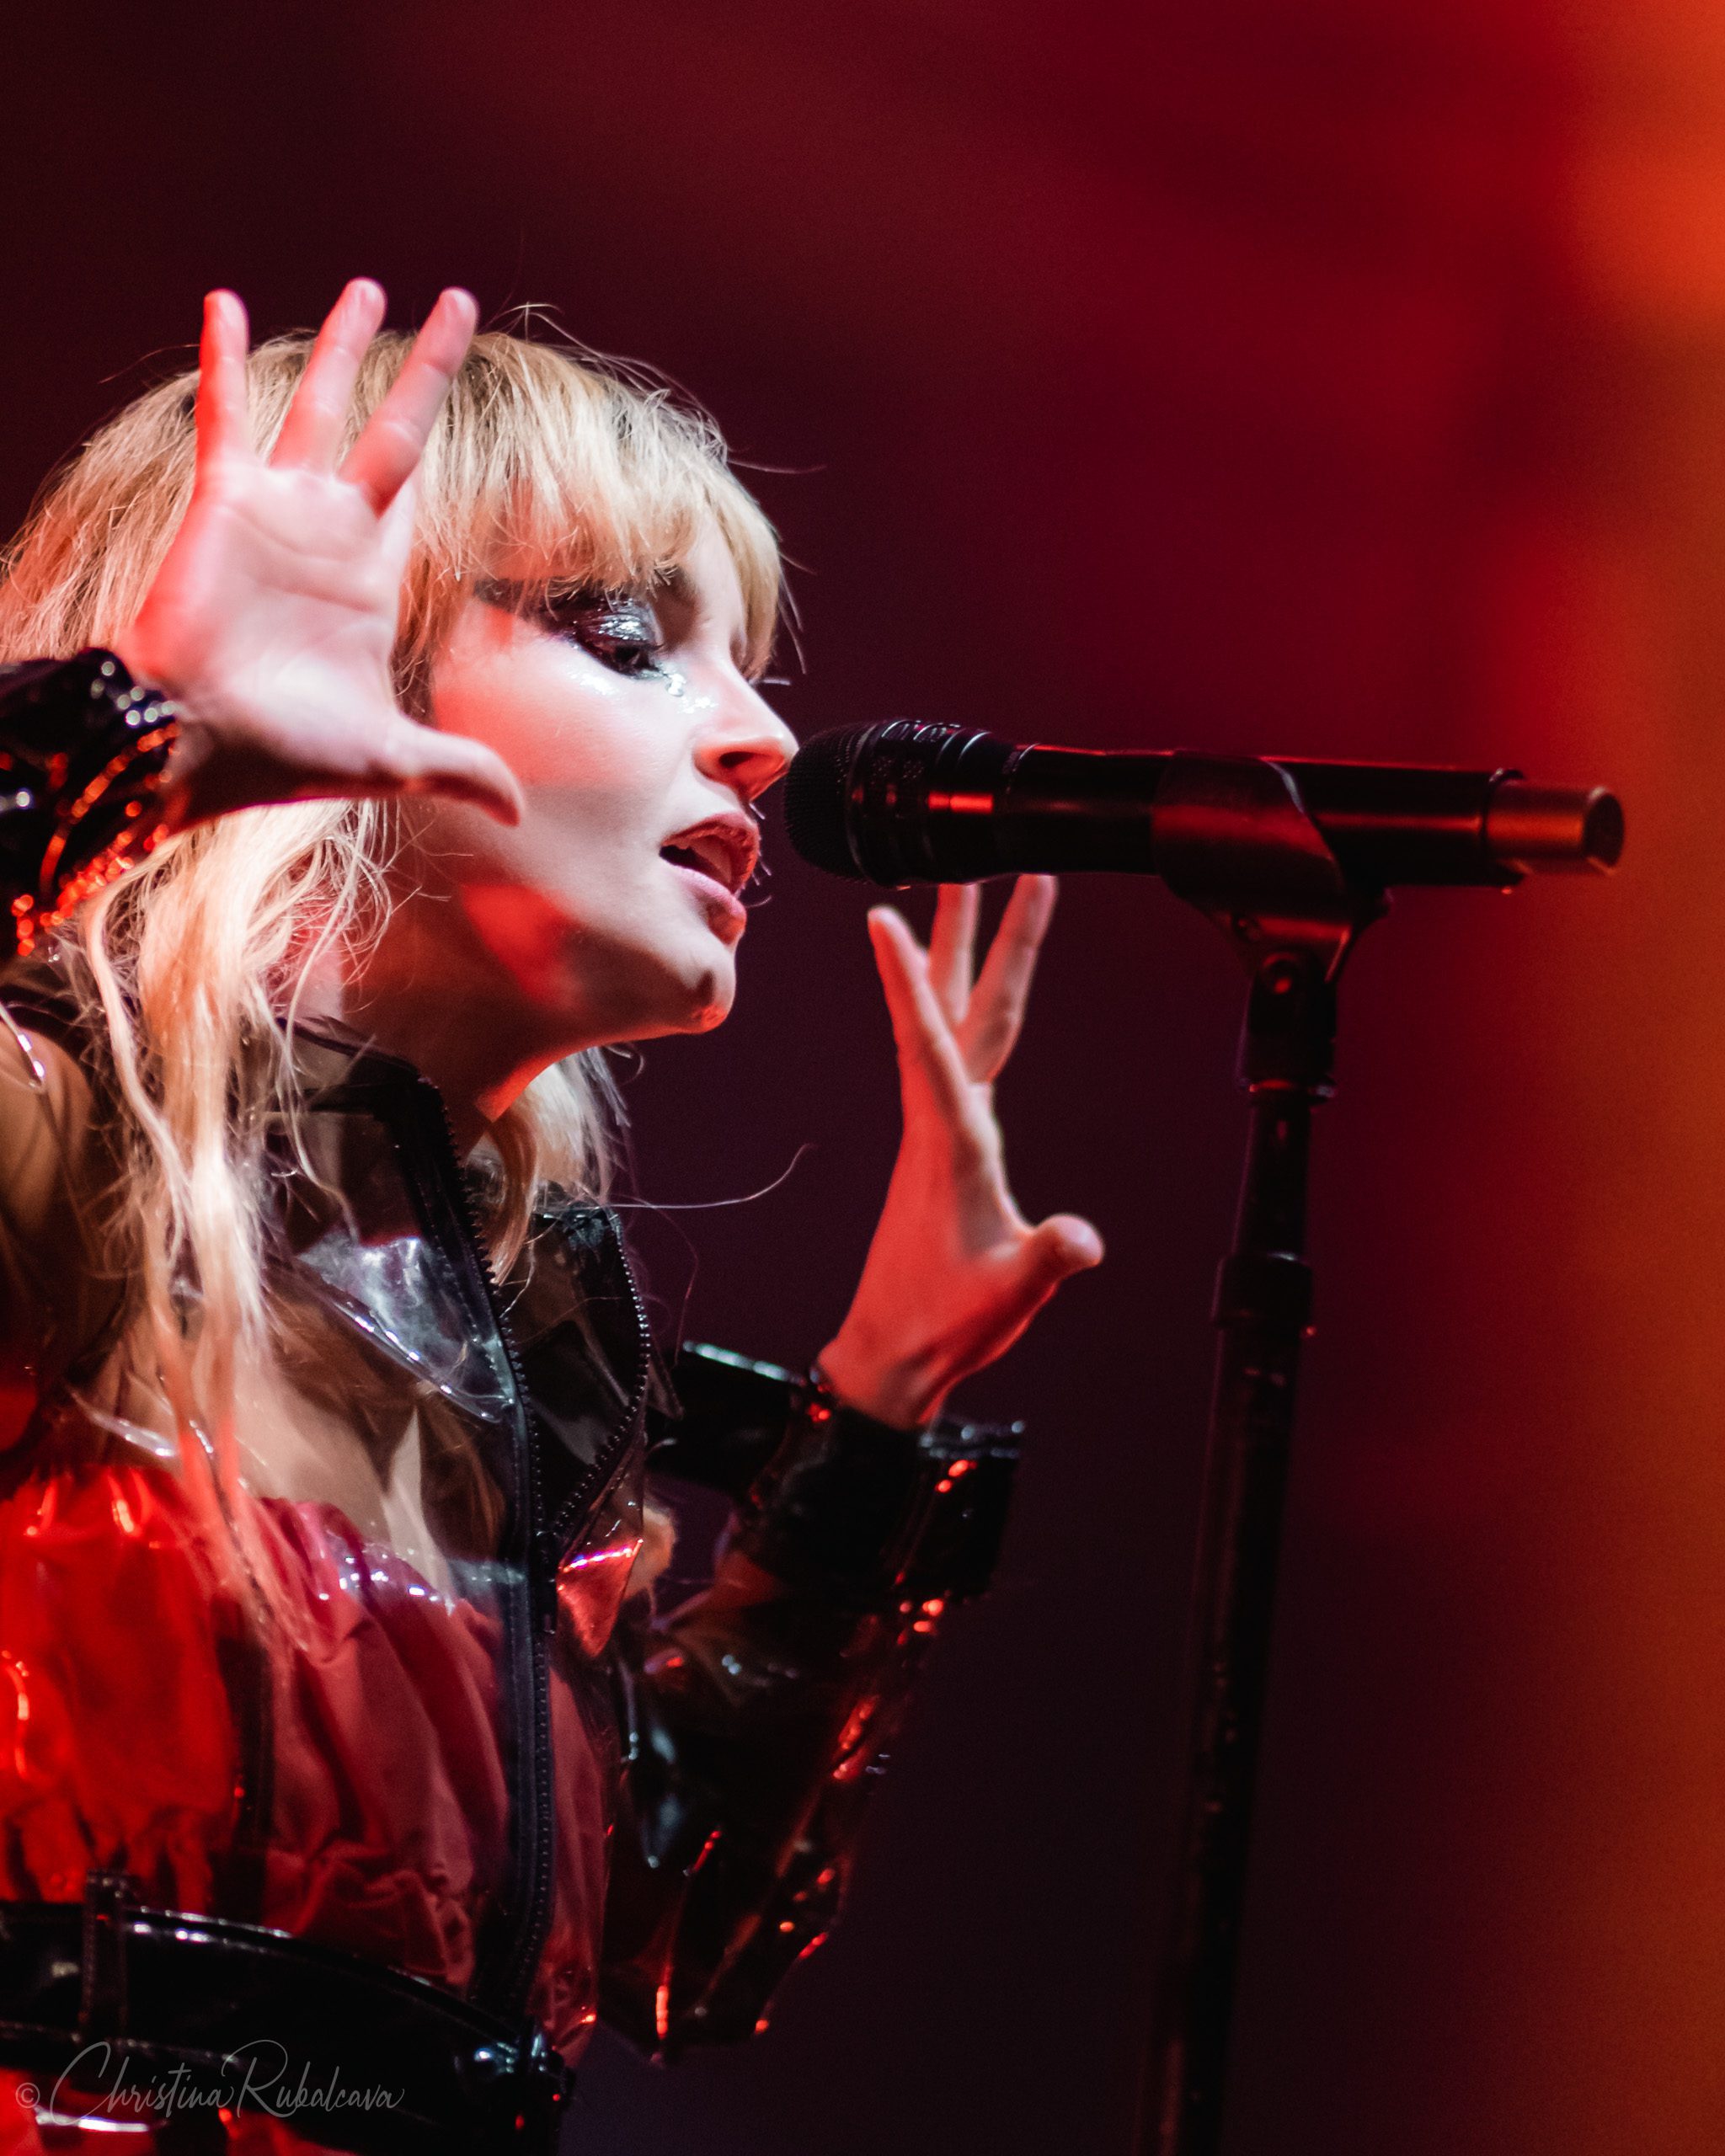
<point>621,629</point>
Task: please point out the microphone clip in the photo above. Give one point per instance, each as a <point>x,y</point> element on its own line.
<point>1233,839</point>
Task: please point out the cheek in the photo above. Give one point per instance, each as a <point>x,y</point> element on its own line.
<point>581,745</point>
<point>598,803</point>
<point>526,933</point>
<point>560,722</point>
<point>589,841</point>
<point>574,873</point>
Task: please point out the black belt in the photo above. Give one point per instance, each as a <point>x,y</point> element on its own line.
<point>191,2014</point>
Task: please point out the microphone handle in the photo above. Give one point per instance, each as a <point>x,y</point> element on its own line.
<point>960,807</point>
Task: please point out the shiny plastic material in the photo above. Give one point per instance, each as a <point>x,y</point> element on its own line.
<point>461,1727</point>
<point>84,755</point>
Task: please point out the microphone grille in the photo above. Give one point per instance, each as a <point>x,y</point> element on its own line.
<point>816,787</point>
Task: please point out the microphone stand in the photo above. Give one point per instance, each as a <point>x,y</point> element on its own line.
<point>1233,839</point>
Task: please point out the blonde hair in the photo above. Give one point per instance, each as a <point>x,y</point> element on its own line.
<point>186,965</point>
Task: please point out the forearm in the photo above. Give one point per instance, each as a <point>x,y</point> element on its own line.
<point>758,1715</point>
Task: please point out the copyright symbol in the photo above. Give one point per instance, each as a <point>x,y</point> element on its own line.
<point>28,2095</point>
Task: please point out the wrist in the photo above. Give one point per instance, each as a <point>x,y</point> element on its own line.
<point>183,784</point>
<point>132,648</point>
<point>896,1390</point>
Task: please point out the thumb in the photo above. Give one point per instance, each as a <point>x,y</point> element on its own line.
<point>420,759</point>
<point>1060,1246</point>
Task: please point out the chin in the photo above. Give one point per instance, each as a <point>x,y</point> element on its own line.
<point>611,989</point>
<point>714,1005</point>
<point>703,996</point>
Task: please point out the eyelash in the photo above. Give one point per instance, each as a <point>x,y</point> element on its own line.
<point>635,658</point>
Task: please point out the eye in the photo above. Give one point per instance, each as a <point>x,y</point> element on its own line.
<point>620,630</point>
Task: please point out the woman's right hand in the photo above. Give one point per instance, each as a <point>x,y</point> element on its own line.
<point>272,620</point>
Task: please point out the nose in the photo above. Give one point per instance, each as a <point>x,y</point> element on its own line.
<point>748,745</point>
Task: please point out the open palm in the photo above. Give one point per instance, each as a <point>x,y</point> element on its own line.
<point>955,1271</point>
<point>273,619</point>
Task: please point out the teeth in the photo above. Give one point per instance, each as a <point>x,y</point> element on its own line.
<point>710,856</point>
<point>723,850</point>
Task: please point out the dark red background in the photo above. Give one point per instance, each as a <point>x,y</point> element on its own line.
<point>1335,376</point>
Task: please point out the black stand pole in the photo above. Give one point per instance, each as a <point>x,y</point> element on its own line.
<point>1239,845</point>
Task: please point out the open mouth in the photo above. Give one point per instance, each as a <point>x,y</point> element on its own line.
<point>724,852</point>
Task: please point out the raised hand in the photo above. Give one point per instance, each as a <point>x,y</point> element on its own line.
<point>273,618</point>
<point>954,1273</point>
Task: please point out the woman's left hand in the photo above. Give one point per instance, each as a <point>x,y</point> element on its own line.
<point>955,1272</point>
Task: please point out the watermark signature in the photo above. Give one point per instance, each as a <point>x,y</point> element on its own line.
<point>257,2076</point>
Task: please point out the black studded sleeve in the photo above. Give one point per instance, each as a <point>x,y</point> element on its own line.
<point>82,748</point>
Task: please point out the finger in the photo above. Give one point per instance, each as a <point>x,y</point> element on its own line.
<point>416,759</point>
<point>220,411</point>
<point>995,1015</point>
<point>951,947</point>
<point>311,434</point>
<point>928,1056</point>
<point>395,528</point>
<point>381,460</point>
<point>1060,1247</point>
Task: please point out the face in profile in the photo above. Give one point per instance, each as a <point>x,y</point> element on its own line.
<point>613,911</point>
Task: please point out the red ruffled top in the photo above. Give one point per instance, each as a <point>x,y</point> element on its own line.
<point>388,1818</point>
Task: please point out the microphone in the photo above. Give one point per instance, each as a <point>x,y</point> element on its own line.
<point>902,802</point>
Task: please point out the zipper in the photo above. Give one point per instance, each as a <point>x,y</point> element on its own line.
<point>509,1974</point>
<point>606,1460</point>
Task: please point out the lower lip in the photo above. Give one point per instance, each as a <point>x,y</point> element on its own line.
<point>713,895</point>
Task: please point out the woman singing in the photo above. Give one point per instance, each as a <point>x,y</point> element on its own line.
<point>379,744</point>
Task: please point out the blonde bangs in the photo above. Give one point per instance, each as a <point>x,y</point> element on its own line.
<point>539,453</point>
<point>575,477</point>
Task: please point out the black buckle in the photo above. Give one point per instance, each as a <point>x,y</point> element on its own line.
<point>110,1898</point>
